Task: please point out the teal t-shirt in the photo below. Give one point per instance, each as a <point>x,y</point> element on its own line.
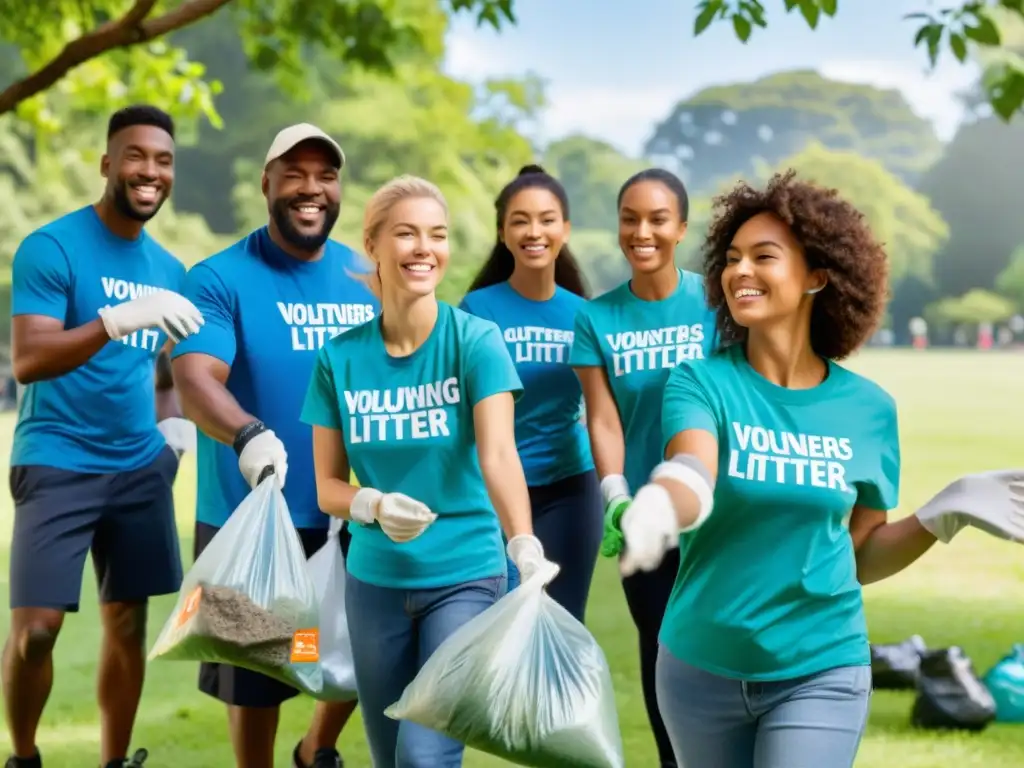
<point>767,587</point>
<point>638,343</point>
<point>407,424</point>
<point>551,440</point>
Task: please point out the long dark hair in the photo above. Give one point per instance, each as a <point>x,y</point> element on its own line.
<point>500,264</point>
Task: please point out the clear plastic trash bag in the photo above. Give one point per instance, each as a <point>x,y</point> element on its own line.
<point>524,681</point>
<point>248,600</point>
<point>327,570</point>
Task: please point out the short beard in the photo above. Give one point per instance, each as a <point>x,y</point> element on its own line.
<point>280,211</point>
<point>123,205</point>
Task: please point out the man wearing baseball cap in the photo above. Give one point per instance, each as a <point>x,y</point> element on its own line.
<point>270,302</point>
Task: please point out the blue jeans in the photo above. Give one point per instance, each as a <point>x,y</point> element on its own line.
<point>568,518</point>
<point>394,631</point>
<point>809,722</point>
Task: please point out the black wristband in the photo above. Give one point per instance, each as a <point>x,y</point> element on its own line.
<point>247,433</point>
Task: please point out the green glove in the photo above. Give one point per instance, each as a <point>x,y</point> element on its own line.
<point>612,542</point>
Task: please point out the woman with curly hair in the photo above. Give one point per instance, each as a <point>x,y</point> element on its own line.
<point>764,656</point>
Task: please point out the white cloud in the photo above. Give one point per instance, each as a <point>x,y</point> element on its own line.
<point>624,117</point>
<point>469,56</point>
<point>930,93</point>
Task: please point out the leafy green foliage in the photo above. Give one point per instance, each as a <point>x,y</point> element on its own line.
<point>598,255</point>
<point>975,187</point>
<point>57,177</point>
<point>974,307</point>
<point>901,218</point>
<point>1010,282</point>
<point>592,171</point>
<point>956,27</point>
<point>98,54</point>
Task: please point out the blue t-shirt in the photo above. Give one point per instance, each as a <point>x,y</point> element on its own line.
<point>552,443</point>
<point>638,343</point>
<point>767,587</point>
<point>407,423</point>
<point>100,417</point>
<point>267,314</point>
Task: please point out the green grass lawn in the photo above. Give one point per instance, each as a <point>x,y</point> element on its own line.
<point>959,413</point>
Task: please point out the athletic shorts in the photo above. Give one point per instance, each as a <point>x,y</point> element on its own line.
<point>125,518</point>
<point>242,687</point>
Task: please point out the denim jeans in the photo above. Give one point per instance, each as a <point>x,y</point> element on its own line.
<point>394,631</point>
<point>809,722</point>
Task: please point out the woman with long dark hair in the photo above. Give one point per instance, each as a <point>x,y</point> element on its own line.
<point>531,287</point>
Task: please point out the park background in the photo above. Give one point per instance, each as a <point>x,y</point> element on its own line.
<point>451,105</point>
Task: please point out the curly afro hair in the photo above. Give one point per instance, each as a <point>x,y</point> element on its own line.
<point>835,237</point>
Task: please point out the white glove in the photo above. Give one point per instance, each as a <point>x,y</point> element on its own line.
<point>179,433</point>
<point>401,518</point>
<point>261,452</point>
<point>527,553</point>
<point>650,529</point>
<point>169,311</point>
<point>989,501</point>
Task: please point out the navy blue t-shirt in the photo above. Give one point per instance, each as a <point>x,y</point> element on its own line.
<point>100,417</point>
<point>267,314</point>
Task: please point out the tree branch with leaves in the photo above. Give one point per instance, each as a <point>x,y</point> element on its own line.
<point>95,52</point>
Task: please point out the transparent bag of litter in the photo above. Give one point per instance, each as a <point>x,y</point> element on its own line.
<point>327,570</point>
<point>248,600</point>
<point>524,681</point>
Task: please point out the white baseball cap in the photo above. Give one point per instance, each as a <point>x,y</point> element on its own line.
<point>288,138</point>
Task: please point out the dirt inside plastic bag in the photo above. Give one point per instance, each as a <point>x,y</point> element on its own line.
<point>224,622</point>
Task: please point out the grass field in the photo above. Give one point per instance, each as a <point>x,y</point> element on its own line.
<point>959,413</point>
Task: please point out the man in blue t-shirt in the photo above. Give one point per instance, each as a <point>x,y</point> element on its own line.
<point>93,459</point>
<point>270,302</point>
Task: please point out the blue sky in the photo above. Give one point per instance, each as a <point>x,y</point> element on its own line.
<point>612,73</point>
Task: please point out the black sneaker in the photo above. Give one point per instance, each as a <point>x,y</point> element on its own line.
<point>25,762</point>
<point>135,761</point>
<point>323,758</point>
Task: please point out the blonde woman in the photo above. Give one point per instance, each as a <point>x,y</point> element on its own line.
<point>419,403</point>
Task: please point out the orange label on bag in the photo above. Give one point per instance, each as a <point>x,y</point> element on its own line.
<point>188,610</point>
<point>306,646</point>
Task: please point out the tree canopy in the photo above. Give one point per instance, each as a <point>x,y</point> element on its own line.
<point>83,52</point>
<point>723,131</point>
<point>900,217</point>
<point>975,186</point>
<point>592,171</point>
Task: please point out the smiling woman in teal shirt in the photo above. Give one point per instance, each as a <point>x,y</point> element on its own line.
<point>626,343</point>
<point>419,404</point>
<point>780,467</point>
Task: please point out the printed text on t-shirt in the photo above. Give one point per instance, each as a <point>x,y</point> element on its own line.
<point>313,324</point>
<point>534,344</point>
<point>417,412</point>
<point>658,348</point>
<point>769,455</point>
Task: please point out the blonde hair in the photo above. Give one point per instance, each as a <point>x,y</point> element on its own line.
<point>379,208</point>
